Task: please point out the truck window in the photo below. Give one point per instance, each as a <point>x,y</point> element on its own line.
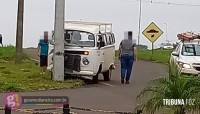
<point>191,50</point>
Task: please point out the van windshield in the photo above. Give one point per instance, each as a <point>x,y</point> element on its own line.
<point>191,50</point>
<point>79,39</point>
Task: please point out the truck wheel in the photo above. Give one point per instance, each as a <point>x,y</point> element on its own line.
<point>107,75</point>
<point>95,79</point>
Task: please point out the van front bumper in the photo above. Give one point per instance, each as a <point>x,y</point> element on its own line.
<point>81,73</point>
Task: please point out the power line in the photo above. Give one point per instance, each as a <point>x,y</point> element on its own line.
<point>167,3</point>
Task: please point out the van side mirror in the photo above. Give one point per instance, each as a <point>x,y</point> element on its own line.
<point>175,54</point>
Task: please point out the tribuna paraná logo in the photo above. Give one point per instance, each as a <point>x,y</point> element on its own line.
<point>178,102</point>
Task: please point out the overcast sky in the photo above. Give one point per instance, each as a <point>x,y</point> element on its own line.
<point>124,14</point>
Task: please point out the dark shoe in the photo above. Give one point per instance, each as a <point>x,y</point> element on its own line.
<point>127,82</point>
<point>122,80</point>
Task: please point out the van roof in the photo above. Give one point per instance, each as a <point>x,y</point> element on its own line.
<point>93,27</point>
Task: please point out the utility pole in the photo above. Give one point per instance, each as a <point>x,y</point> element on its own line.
<point>140,13</point>
<point>58,58</point>
<point>166,31</point>
<point>19,34</point>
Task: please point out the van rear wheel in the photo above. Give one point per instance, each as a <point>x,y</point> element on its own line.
<point>107,75</point>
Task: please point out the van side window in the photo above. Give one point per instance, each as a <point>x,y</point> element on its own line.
<point>105,39</point>
<point>112,42</point>
<point>108,39</point>
<point>113,38</point>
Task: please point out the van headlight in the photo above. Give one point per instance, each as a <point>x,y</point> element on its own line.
<point>85,61</point>
<point>184,65</point>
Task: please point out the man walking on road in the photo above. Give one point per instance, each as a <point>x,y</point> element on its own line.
<point>43,52</point>
<point>127,55</point>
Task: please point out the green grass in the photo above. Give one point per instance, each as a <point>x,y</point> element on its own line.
<point>159,55</point>
<point>26,77</point>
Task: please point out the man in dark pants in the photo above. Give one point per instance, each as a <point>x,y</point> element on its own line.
<point>43,52</point>
<point>127,55</point>
<point>1,40</point>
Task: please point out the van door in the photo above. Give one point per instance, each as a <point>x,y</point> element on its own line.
<point>105,54</point>
<point>99,56</point>
<point>109,52</point>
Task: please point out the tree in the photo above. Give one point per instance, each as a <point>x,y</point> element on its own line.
<point>172,87</point>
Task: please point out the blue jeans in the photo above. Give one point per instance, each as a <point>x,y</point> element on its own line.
<point>126,66</point>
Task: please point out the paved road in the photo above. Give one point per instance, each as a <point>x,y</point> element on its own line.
<point>110,95</point>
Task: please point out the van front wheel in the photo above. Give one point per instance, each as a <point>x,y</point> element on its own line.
<point>95,79</point>
<point>107,75</point>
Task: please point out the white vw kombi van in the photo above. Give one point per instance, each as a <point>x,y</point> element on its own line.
<point>89,49</point>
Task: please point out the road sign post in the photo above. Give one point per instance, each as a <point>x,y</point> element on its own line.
<point>152,48</point>
<point>152,33</point>
<point>58,58</point>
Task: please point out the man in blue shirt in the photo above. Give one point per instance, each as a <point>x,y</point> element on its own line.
<point>43,52</point>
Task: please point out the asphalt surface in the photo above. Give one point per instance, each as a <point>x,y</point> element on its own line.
<point>107,96</point>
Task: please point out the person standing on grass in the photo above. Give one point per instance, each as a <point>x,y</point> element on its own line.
<point>127,55</point>
<point>43,48</point>
<point>1,40</point>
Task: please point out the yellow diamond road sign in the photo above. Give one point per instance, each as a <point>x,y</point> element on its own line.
<point>152,32</point>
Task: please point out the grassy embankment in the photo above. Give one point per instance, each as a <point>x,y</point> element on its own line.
<point>26,77</point>
<point>159,55</point>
